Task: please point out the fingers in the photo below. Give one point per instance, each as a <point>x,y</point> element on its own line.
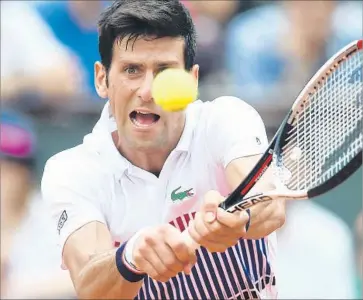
<point>181,258</point>
<point>208,232</point>
<point>143,260</point>
<point>210,205</point>
<point>180,248</point>
<point>236,221</point>
<point>162,253</point>
<point>270,210</point>
<point>212,241</point>
<point>215,228</point>
<point>266,219</point>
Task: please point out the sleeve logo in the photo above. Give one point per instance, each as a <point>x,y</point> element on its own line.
<point>63,218</point>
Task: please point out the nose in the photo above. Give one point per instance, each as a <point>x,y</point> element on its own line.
<point>144,92</point>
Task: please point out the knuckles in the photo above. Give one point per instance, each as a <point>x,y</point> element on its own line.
<point>171,264</point>
<point>179,247</point>
<point>153,239</point>
<point>149,240</point>
<point>214,228</point>
<point>143,249</point>
<point>169,270</point>
<point>152,236</point>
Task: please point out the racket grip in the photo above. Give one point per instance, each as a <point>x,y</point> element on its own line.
<point>192,245</point>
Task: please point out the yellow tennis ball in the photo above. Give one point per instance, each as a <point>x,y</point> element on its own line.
<point>174,89</point>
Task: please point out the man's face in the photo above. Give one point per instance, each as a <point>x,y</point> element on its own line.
<point>142,125</point>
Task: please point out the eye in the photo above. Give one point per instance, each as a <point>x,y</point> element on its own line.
<point>131,70</point>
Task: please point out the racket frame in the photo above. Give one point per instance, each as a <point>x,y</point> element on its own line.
<point>237,201</point>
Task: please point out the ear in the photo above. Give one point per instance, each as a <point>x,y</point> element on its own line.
<point>195,72</point>
<point>101,80</point>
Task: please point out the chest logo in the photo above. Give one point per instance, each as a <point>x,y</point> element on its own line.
<point>180,196</point>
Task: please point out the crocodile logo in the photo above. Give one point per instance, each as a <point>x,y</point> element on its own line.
<point>180,196</point>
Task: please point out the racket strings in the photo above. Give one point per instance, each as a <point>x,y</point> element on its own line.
<point>328,130</point>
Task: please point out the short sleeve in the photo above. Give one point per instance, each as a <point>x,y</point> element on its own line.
<point>234,130</point>
<point>72,196</point>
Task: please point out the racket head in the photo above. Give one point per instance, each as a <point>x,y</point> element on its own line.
<point>320,144</point>
<point>281,160</point>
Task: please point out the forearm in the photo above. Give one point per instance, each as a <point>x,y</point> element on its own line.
<point>266,218</point>
<point>100,279</point>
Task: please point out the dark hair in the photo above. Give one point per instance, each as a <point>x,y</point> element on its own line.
<point>145,18</point>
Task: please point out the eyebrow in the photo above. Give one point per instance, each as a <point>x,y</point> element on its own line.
<point>167,63</point>
<point>156,63</point>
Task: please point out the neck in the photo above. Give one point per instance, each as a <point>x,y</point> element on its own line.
<point>151,160</point>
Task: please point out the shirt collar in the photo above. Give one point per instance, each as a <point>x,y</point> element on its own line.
<point>100,140</point>
<point>101,136</point>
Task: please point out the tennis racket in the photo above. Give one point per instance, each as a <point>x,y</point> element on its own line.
<point>319,143</point>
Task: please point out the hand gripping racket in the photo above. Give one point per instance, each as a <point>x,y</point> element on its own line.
<point>319,143</point>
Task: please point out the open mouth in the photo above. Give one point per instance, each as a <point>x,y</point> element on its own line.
<point>143,119</point>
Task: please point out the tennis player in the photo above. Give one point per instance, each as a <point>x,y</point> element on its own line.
<point>121,199</point>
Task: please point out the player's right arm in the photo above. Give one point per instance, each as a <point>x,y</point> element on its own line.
<point>159,252</point>
<point>90,258</point>
<point>76,198</point>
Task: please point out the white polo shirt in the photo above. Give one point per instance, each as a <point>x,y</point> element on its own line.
<point>93,182</point>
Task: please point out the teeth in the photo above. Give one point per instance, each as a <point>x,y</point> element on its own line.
<point>143,113</point>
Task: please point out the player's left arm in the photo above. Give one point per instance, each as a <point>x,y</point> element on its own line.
<point>266,217</point>
<point>238,140</point>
